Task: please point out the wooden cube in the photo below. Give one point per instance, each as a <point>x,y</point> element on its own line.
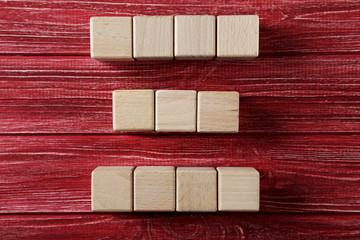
<point>196,189</point>
<point>111,189</point>
<point>133,110</point>
<point>111,38</point>
<point>238,189</point>
<point>218,112</point>
<point>194,37</point>
<point>154,189</point>
<point>153,37</point>
<point>175,111</point>
<point>237,37</point>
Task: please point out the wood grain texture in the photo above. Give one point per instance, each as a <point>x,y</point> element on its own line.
<point>310,94</point>
<point>112,189</point>
<point>175,111</point>
<point>218,112</point>
<point>286,27</point>
<point>153,37</point>
<point>299,173</point>
<point>111,38</point>
<point>154,189</point>
<point>237,37</point>
<point>133,110</point>
<point>238,189</point>
<point>196,189</point>
<point>181,226</point>
<point>306,81</point>
<point>194,37</point>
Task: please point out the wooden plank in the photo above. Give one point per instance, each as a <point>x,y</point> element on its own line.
<point>312,94</point>
<point>181,226</point>
<point>260,115</point>
<point>287,27</point>
<point>284,76</point>
<point>298,173</point>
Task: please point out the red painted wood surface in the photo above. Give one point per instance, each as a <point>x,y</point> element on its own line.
<point>46,27</point>
<point>303,173</point>
<point>180,226</point>
<point>299,121</point>
<point>298,94</point>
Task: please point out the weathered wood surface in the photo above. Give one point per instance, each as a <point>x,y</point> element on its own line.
<point>180,226</point>
<point>276,76</point>
<point>55,121</point>
<point>299,173</point>
<point>286,27</point>
<point>298,94</point>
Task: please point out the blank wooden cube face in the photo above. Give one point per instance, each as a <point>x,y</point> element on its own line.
<point>111,38</point>
<point>153,37</point>
<point>196,189</point>
<point>154,189</point>
<point>238,189</point>
<point>111,189</point>
<point>133,110</point>
<point>175,111</point>
<point>237,37</point>
<point>218,112</point>
<point>194,37</point>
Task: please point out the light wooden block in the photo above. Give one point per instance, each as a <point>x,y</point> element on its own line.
<point>238,189</point>
<point>175,111</point>
<point>196,189</point>
<point>111,38</point>
<point>218,112</point>
<point>154,189</point>
<point>194,37</point>
<point>133,110</point>
<point>112,189</point>
<point>153,37</point>
<point>237,37</point>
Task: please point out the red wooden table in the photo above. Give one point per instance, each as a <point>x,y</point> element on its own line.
<point>299,121</point>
